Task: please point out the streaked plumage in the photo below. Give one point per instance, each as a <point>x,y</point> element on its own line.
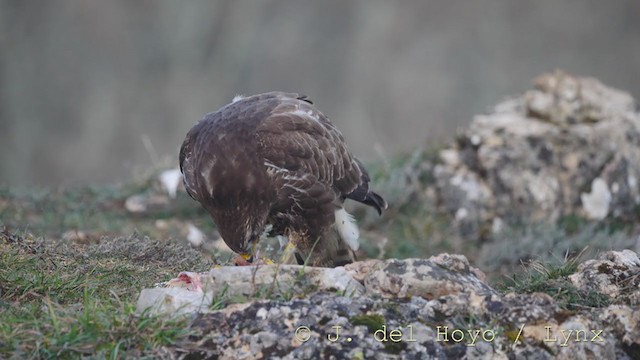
<point>274,159</point>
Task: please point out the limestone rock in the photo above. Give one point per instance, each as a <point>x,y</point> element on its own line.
<point>624,323</point>
<point>570,146</point>
<point>614,273</point>
<point>281,280</point>
<point>596,203</point>
<point>564,100</point>
<point>172,301</point>
<point>448,278</point>
<point>194,292</point>
<point>438,308</point>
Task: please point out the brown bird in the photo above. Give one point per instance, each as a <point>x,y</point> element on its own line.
<point>274,159</point>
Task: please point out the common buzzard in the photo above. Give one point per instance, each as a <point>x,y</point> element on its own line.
<point>274,159</point>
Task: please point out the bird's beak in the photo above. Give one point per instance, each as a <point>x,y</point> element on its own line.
<point>247,257</point>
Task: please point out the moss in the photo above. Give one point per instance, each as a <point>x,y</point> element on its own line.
<point>373,322</point>
<point>395,347</point>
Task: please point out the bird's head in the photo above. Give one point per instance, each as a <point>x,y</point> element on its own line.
<point>241,228</point>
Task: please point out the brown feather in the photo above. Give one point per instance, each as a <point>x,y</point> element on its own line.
<point>274,158</point>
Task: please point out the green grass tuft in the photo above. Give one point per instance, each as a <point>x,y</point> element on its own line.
<point>553,280</point>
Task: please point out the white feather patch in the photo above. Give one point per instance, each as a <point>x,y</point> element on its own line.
<point>237,98</point>
<point>347,228</point>
<point>306,114</point>
<point>206,174</point>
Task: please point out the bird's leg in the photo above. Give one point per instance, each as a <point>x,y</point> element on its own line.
<point>252,256</point>
<point>257,260</point>
<point>287,253</point>
<point>283,241</point>
<point>256,256</point>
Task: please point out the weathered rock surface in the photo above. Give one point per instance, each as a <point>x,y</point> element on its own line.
<point>437,308</point>
<point>614,274</point>
<point>570,146</point>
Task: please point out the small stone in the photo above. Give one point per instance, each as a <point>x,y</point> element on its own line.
<point>596,203</point>
<point>195,236</point>
<point>170,180</point>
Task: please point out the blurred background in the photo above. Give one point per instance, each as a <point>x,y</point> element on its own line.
<point>91,90</point>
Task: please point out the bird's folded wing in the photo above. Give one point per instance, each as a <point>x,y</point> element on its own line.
<point>303,141</point>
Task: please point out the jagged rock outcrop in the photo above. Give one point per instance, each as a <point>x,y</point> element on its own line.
<point>438,308</point>
<point>569,146</point>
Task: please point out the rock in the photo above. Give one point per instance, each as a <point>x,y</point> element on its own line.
<point>195,236</point>
<point>565,100</point>
<point>614,274</point>
<point>570,146</point>
<point>172,300</point>
<point>440,277</point>
<point>444,275</point>
<point>596,203</point>
<point>76,236</point>
<point>439,308</point>
<point>242,282</point>
<point>359,270</point>
<point>170,181</point>
<point>281,280</point>
<point>624,323</point>
<point>163,191</point>
<point>142,203</point>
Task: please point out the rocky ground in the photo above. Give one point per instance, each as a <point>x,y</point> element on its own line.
<point>439,308</point>
<point>532,209</point>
